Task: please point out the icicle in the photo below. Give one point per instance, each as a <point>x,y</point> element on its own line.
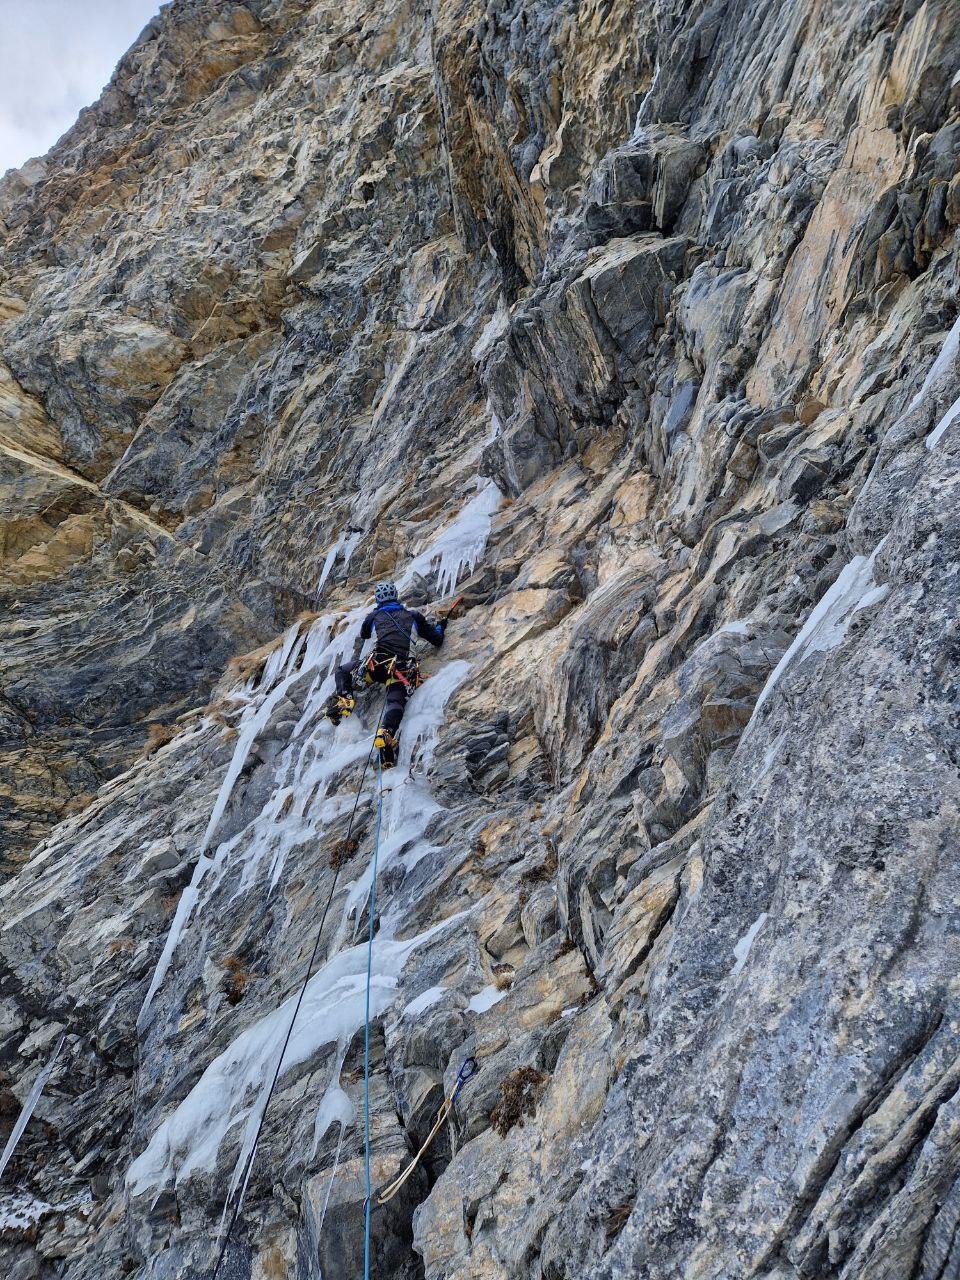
<point>33,1097</point>
<point>329,561</point>
<point>461,544</point>
<point>343,548</point>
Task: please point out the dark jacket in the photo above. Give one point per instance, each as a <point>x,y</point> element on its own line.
<point>395,626</point>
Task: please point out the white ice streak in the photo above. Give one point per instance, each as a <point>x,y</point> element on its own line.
<point>933,439</point>
<point>33,1097</point>
<point>827,624</point>
<point>741,951</point>
<point>459,546</point>
<point>233,1089</point>
<point>948,354</point>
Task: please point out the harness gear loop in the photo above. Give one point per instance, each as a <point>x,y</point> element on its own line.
<point>468,1069</point>
<point>395,672</point>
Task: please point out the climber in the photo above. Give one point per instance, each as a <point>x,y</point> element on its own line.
<point>390,664</point>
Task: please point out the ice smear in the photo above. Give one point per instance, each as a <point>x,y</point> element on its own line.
<point>485,999</point>
<point>741,951</point>
<point>33,1097</point>
<point>933,439</point>
<point>424,1001</point>
<point>827,624</point>
<point>948,353</point>
<point>233,1089</point>
<point>461,544</point>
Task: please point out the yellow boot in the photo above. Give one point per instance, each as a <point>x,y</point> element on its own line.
<point>339,706</point>
<point>386,744</point>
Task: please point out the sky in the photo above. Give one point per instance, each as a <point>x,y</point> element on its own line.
<point>55,57</point>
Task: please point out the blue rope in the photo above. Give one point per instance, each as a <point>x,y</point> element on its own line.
<point>366,1030</point>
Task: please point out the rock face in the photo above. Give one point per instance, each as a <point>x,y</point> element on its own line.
<point>637,326</point>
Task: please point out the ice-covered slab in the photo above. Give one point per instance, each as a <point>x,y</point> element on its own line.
<point>232,1089</point>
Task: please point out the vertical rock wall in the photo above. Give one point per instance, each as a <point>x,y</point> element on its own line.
<point>672,846</point>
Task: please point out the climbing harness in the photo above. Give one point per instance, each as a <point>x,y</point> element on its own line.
<point>406,673</point>
<point>296,1009</point>
<point>467,1070</point>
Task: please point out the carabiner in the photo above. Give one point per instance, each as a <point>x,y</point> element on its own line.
<point>468,1069</point>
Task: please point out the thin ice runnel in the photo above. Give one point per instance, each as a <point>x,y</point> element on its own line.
<point>409,807</point>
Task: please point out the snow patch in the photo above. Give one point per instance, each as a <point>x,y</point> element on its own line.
<point>424,1001</point>
<point>21,1212</point>
<point>485,999</point>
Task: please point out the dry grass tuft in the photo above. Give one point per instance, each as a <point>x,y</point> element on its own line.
<point>520,1092</point>
<point>342,852</point>
<point>235,981</point>
<point>157,736</point>
<point>503,975</point>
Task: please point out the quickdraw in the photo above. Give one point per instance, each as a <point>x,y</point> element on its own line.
<point>467,1070</point>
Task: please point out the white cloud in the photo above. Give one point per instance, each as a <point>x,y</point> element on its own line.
<point>55,57</point>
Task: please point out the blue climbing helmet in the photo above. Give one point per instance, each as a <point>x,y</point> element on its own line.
<point>385,593</point>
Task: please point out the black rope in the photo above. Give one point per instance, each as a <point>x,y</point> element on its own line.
<point>303,991</point>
